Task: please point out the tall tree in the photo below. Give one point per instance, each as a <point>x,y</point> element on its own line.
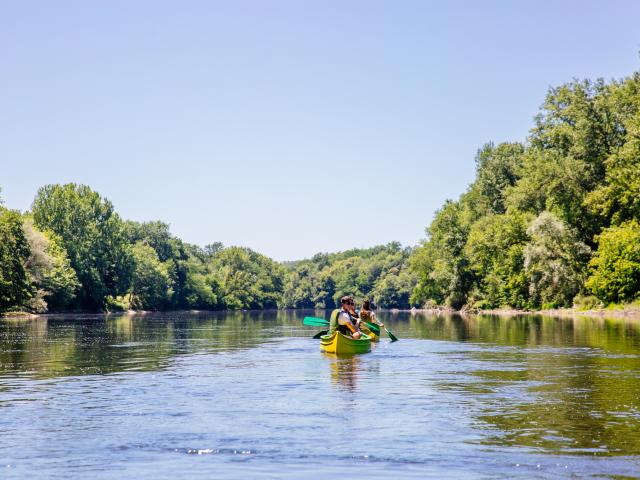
<point>151,283</point>
<point>54,282</point>
<point>15,288</point>
<point>93,236</point>
<point>554,261</point>
<point>615,268</point>
<point>442,267</point>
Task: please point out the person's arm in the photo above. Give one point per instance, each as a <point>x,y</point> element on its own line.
<point>374,319</point>
<point>344,319</point>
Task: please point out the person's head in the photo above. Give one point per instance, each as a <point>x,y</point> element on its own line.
<point>347,302</point>
<point>366,305</point>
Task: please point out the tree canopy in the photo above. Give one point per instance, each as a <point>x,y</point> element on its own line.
<point>524,232</point>
<point>546,220</point>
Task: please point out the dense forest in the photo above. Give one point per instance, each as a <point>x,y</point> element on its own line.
<point>73,252</point>
<point>549,222</point>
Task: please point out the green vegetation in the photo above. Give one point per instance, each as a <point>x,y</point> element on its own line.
<point>380,273</point>
<point>72,252</point>
<point>548,220</point>
<point>14,252</point>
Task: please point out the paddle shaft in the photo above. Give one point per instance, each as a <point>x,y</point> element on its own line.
<point>321,322</point>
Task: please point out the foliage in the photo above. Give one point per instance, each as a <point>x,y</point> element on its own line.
<point>443,271</point>
<point>586,302</point>
<point>578,173</point>
<point>150,281</point>
<point>372,273</point>
<point>15,288</point>
<point>495,249</point>
<point>615,267</point>
<point>54,282</point>
<point>497,169</point>
<point>618,197</point>
<point>554,262</point>
<point>248,280</point>
<point>93,236</point>
<point>520,236</point>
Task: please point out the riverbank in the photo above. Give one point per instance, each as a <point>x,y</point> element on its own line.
<point>631,311</point>
<point>624,311</point>
<point>22,315</point>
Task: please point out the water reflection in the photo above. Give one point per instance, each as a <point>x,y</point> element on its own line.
<point>532,330</point>
<point>344,370</point>
<point>529,384</point>
<point>58,346</point>
<point>555,385</point>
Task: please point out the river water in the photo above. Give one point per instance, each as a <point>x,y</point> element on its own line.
<point>249,395</point>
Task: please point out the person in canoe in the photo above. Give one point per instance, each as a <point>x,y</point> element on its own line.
<point>368,314</point>
<point>345,320</point>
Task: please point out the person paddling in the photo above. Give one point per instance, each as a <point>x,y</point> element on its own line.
<point>345,320</point>
<point>367,313</point>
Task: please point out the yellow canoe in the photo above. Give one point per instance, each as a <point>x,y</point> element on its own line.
<point>341,344</point>
<point>374,337</point>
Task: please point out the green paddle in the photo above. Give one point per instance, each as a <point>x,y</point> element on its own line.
<point>320,334</point>
<point>391,335</point>
<point>321,322</point>
<point>376,330</point>
<point>315,322</point>
<point>373,327</point>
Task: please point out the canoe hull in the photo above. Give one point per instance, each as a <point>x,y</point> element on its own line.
<point>374,337</point>
<point>342,345</point>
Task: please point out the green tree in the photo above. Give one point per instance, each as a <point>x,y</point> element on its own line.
<point>576,121</point>
<point>554,262</point>
<point>156,234</point>
<point>495,249</point>
<point>93,236</point>
<point>617,199</point>
<point>442,268</point>
<point>54,282</point>
<point>555,183</point>
<point>247,279</point>
<point>200,289</point>
<point>394,288</point>
<point>371,272</point>
<point>615,267</point>
<point>15,288</point>
<point>497,169</point>
<point>151,282</point>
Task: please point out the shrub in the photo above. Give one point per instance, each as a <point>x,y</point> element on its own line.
<point>615,268</point>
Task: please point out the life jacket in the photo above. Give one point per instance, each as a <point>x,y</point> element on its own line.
<point>365,315</point>
<point>334,325</point>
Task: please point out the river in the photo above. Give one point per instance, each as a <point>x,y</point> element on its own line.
<point>249,395</point>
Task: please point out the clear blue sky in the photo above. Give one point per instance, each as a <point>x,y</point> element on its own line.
<point>290,127</point>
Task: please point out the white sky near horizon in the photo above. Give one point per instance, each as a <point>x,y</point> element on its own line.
<point>290,127</point>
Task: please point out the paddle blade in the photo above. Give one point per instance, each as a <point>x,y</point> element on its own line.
<point>315,322</point>
<point>320,334</point>
<point>373,327</point>
<point>392,336</point>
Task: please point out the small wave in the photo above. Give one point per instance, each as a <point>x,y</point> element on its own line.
<point>215,451</point>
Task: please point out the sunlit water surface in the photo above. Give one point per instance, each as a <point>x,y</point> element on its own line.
<point>249,395</point>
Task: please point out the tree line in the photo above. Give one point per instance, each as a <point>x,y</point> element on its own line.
<point>548,222</point>
<point>72,252</point>
<point>551,221</point>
